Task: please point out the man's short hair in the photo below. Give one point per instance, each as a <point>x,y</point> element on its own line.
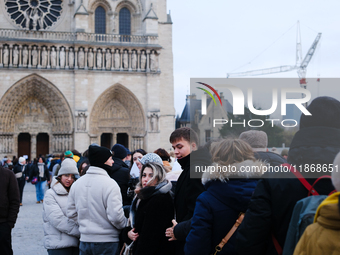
<point>186,133</point>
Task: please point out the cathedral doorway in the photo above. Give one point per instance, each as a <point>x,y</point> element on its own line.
<point>123,139</point>
<point>117,112</point>
<point>42,144</point>
<point>24,145</point>
<point>35,107</point>
<point>106,140</point>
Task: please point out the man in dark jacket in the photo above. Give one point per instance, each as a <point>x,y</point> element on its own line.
<point>120,171</point>
<point>267,218</point>
<point>21,173</point>
<point>258,141</point>
<point>9,208</point>
<point>185,142</point>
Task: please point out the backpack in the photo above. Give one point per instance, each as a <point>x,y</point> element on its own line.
<point>303,213</point>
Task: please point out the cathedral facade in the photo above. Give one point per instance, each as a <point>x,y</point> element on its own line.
<point>76,72</point>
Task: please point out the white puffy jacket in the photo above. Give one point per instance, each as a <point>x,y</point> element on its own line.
<point>95,202</point>
<point>60,231</point>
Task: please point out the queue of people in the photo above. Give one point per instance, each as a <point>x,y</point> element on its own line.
<point>96,206</point>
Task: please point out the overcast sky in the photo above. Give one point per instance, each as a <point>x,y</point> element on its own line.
<point>216,37</point>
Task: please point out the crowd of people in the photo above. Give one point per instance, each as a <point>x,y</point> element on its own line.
<point>120,202</point>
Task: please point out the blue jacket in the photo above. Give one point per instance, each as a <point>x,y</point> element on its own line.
<point>216,212</point>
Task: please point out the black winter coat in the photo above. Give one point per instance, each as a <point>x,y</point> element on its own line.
<point>153,217</point>
<point>186,193</point>
<point>121,174</point>
<point>273,201</point>
<point>9,197</point>
<point>18,169</point>
<point>34,172</point>
<point>271,158</point>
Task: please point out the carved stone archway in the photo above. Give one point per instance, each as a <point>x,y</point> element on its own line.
<point>34,105</point>
<point>117,110</point>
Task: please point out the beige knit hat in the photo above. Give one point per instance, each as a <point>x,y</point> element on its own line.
<point>256,138</point>
<point>68,166</point>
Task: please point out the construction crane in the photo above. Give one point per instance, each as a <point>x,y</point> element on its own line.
<point>300,65</point>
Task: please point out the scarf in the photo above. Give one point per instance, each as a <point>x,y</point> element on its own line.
<point>41,169</point>
<point>145,193</point>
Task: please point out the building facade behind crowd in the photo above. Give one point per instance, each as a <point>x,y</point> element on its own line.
<point>80,72</point>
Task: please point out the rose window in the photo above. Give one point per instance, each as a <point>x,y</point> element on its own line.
<point>34,14</point>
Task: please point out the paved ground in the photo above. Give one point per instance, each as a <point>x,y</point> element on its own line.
<point>28,233</point>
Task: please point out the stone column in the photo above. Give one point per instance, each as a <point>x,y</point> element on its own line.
<point>104,59</point>
<point>94,59</point>
<point>48,58</point>
<point>139,53</point>
<point>112,60</point>
<point>66,60</point>
<point>20,56</point>
<point>1,61</point>
<point>121,52</point>
<point>10,55</point>
<point>39,58</point>
<point>33,145</point>
<point>29,59</point>
<point>148,61</point>
<point>129,60</point>
<point>85,53</point>
<point>57,64</point>
<point>75,58</point>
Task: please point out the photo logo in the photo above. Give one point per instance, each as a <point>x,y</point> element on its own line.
<point>204,97</point>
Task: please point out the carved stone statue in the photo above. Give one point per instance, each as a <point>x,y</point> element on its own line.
<point>153,62</point>
<point>5,56</point>
<point>153,122</point>
<point>35,17</point>
<point>117,59</point>
<point>53,58</point>
<point>134,60</point>
<point>142,60</point>
<point>43,58</point>
<point>15,56</point>
<point>90,58</point>
<point>108,59</point>
<point>71,58</point>
<point>27,18</point>
<point>81,57</point>
<point>81,122</point>
<point>99,59</point>
<point>62,58</point>
<point>34,56</point>
<point>125,60</point>
<point>24,56</point>
<point>113,23</point>
<point>41,21</point>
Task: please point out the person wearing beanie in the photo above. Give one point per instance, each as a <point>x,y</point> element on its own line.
<point>61,233</point>
<point>258,140</point>
<point>323,236</point>
<point>271,207</point>
<point>284,153</point>
<point>95,203</point>
<point>68,154</point>
<point>21,173</point>
<point>120,172</point>
<point>127,159</point>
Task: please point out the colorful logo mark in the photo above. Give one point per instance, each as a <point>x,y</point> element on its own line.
<point>208,92</point>
<point>204,97</point>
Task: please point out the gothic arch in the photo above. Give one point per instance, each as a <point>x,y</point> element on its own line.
<point>95,3</point>
<point>40,90</point>
<point>131,6</point>
<point>116,110</point>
